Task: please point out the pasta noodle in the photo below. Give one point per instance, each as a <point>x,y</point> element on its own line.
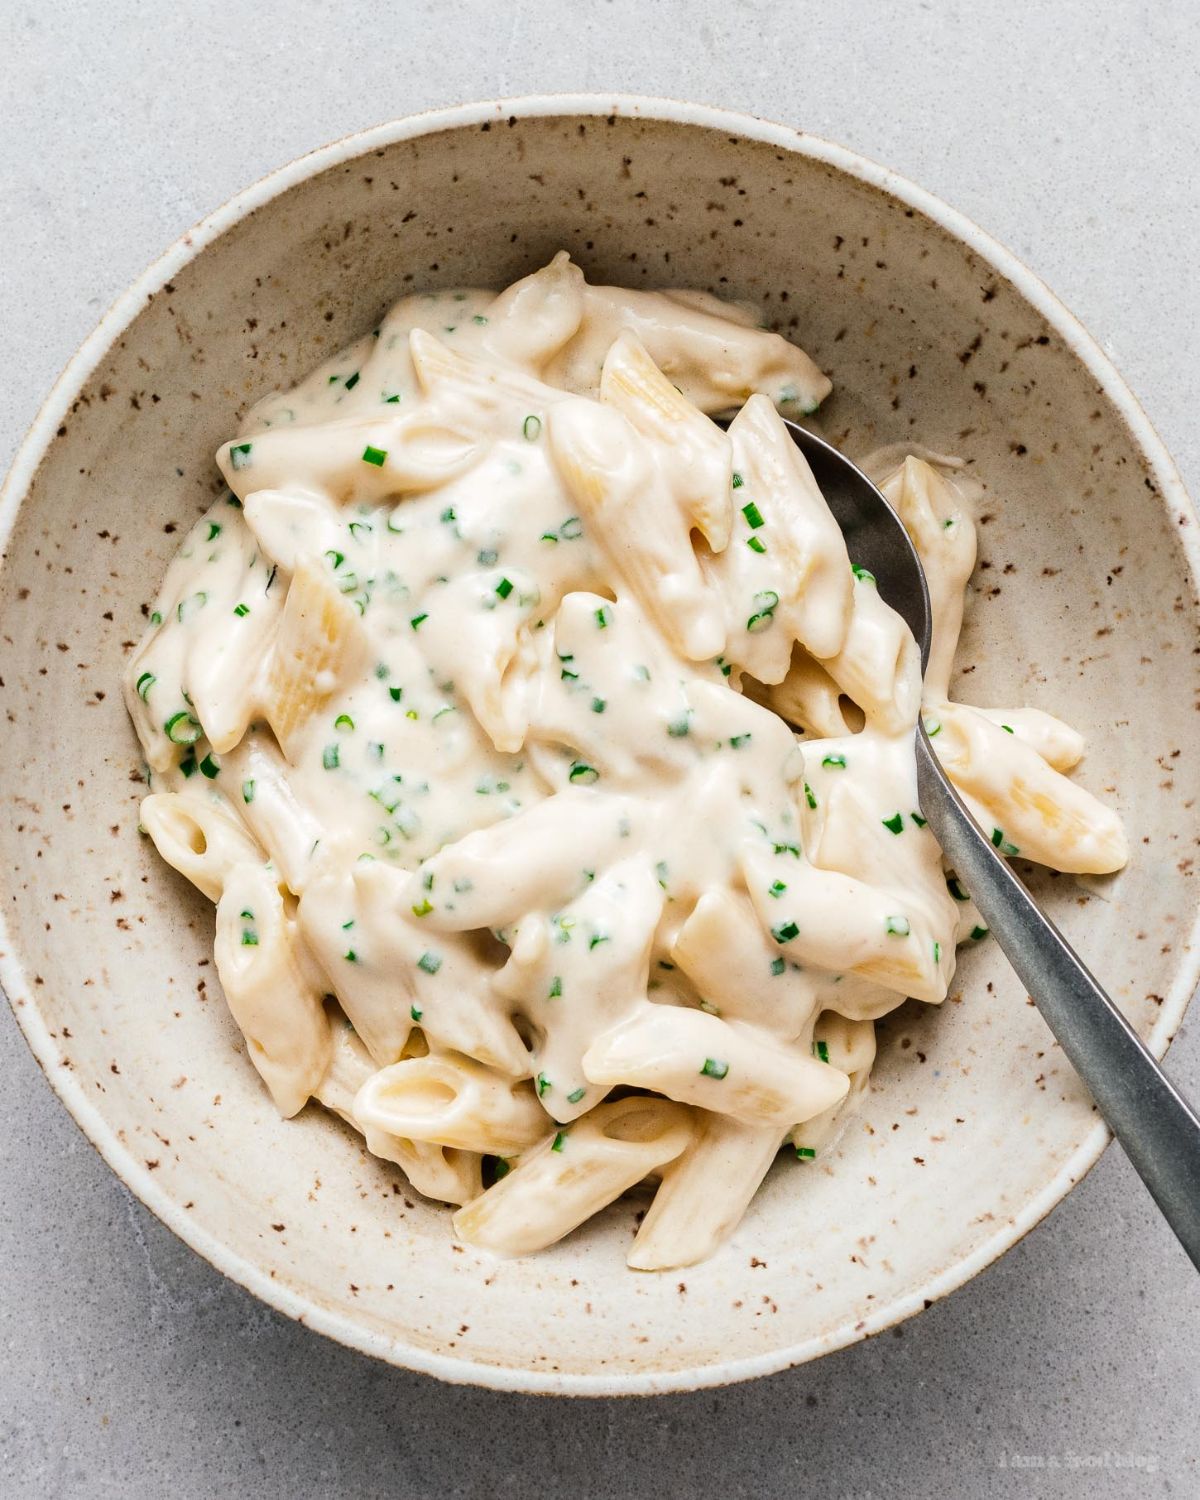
<point>550,762</point>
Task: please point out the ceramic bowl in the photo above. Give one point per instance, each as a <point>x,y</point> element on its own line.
<point>1084,603</point>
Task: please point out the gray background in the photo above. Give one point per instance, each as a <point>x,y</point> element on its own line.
<point>1070,131</point>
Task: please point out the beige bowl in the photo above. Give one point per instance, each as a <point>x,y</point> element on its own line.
<point>1084,603</point>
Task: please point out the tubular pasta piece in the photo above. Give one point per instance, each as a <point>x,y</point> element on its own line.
<point>438,1172</point>
<point>879,666</point>
<point>452,1101</point>
<point>575,1174</point>
<point>262,792</point>
<point>270,994</point>
<point>807,697</point>
<point>320,645</point>
<point>607,470</point>
<point>419,452</point>
<point>697,1059</point>
<point>704,1193</point>
<point>199,836</point>
<point>726,953</point>
<point>697,455</point>
<point>715,360</point>
<point>943,533</point>
<point>1026,806</point>
<point>850,1047</point>
<point>1060,746</point>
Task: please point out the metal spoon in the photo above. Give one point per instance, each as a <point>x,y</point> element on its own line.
<point>1157,1128</point>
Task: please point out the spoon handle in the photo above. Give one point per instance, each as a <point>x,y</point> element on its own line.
<point>1155,1125</point>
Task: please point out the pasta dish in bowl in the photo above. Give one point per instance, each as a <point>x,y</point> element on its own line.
<point>470,706</point>
<point>532,733</point>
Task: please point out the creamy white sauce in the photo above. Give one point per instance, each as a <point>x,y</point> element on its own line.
<point>527,814</point>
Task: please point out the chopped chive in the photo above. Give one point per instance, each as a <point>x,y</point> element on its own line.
<point>568,676</point>
<point>979,932</point>
<point>188,607</point>
<point>414,1013</point>
<point>713,1068</point>
<point>241,610</point>
<point>214,531</point>
<point>479,318</point>
<point>805,1153</point>
<point>582,774</point>
<point>429,962</point>
<point>834,762</point>
<point>679,728</point>
<point>809,795</point>
<point>417,620</point>
<point>353,381</point>
<point>954,886</point>
<point>918,820</point>
<point>248,791</point>
<point>576,1095</point>
<point>792,849</point>
<point>504,588</point>
<point>932,727</point>
<point>753,515</point>
<point>448,515</point>
<point>239,455</point>
<point>777,967</point>
<point>738,740</point>
<point>724,666</point>
<point>331,757</point>
<point>336,558</point>
<point>350,956</point>
<point>862,574</point>
<point>543,1085</point>
<point>571,529</point>
<point>558,1141</point>
<point>661,872</point>
<point>531,428</point>
<point>555,988</point>
<point>597,938</point>
<point>897,926</point>
<point>1003,844</point>
<point>156,618</point>
<point>821,1048</point>
<point>423,907</point>
<point>144,683</point>
<point>603,617</point>
<point>548,536</point>
<point>249,938</point>
<point>786,933</point>
<point>738,481</point>
<point>395,694</point>
<point>776,889</point>
<point>376,456</point>
<point>211,768</point>
<point>641,673</point>
<point>759,621</point>
<point>182,729</point>
<point>937,953</point>
<point>187,763</point>
<point>1008,729</point>
<point>344,721</point>
<point>895,823</point>
<point>598,705</point>
<point>756,544</point>
<point>391,400</point>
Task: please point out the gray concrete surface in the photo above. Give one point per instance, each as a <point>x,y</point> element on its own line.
<point>129,1367</point>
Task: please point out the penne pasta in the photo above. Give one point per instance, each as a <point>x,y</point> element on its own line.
<point>550,729</point>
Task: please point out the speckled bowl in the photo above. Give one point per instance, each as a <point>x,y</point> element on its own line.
<point>1084,603</point>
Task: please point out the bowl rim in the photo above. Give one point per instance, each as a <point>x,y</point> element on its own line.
<point>82,365</point>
